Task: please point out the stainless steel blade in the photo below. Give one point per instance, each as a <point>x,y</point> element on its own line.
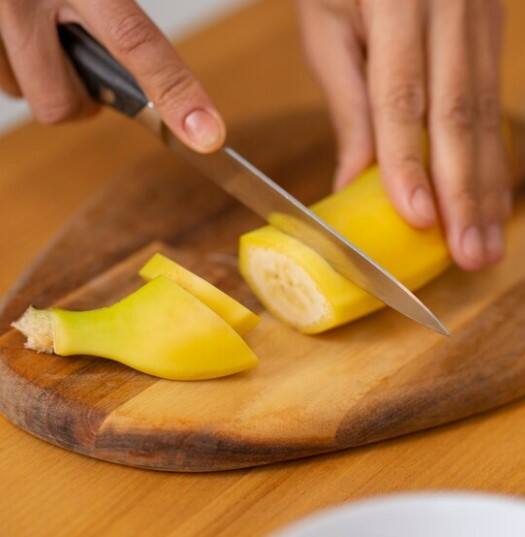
<point>110,83</point>
<point>250,186</point>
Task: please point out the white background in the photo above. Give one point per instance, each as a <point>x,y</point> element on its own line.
<point>175,17</point>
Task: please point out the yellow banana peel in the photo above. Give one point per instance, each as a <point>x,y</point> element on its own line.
<point>234,313</point>
<point>160,329</point>
<point>299,287</point>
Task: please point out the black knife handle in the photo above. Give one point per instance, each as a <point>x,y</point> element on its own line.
<point>105,79</point>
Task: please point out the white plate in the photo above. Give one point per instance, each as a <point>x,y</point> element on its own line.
<point>418,515</point>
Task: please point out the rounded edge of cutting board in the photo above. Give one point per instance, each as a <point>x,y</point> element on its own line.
<point>466,374</point>
<point>80,403</point>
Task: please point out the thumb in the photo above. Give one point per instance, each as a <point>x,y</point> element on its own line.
<point>142,48</point>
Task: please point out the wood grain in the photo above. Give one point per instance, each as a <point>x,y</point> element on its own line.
<point>162,198</point>
<point>47,173</point>
<point>378,378</point>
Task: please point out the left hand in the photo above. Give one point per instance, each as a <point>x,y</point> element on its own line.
<point>392,68</point>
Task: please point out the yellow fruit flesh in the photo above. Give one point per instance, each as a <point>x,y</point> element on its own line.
<point>234,313</point>
<point>298,286</point>
<point>161,329</point>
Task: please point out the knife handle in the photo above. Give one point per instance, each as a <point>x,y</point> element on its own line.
<point>105,79</point>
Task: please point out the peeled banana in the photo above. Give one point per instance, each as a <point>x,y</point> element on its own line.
<point>160,329</point>
<point>299,287</point>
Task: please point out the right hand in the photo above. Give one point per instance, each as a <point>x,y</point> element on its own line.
<point>33,65</point>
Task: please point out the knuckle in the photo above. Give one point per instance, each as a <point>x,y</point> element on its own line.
<point>405,102</point>
<point>174,87</point>
<point>466,198</point>
<point>457,113</point>
<point>491,212</point>
<point>410,169</point>
<point>490,194</point>
<point>55,111</point>
<point>493,200</point>
<point>489,110</point>
<point>130,32</point>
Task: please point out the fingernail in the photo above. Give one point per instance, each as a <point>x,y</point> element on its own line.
<point>494,242</point>
<point>203,130</point>
<point>423,205</point>
<point>472,244</point>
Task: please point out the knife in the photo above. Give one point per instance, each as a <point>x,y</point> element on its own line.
<point>109,83</point>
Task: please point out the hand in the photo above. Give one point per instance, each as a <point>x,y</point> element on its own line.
<point>392,68</point>
<point>32,64</point>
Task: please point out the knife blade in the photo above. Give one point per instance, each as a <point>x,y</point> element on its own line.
<point>109,83</point>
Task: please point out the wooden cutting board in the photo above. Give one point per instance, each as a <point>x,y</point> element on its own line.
<point>377,378</point>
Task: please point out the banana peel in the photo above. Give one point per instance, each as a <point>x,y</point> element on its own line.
<point>299,287</point>
<point>234,313</point>
<point>160,329</point>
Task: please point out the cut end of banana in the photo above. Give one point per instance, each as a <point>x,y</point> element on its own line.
<point>286,288</point>
<point>37,327</point>
<point>300,287</point>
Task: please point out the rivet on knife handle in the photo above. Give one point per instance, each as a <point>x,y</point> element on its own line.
<point>105,79</point>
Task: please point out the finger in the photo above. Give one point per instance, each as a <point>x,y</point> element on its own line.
<point>43,73</point>
<point>451,126</point>
<point>140,46</point>
<point>397,87</point>
<point>336,59</point>
<point>494,173</point>
<point>8,83</point>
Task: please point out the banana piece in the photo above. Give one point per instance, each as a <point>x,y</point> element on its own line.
<point>160,329</point>
<point>299,287</point>
<point>234,313</point>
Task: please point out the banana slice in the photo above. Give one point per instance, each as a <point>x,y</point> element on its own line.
<point>234,313</point>
<point>298,286</point>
